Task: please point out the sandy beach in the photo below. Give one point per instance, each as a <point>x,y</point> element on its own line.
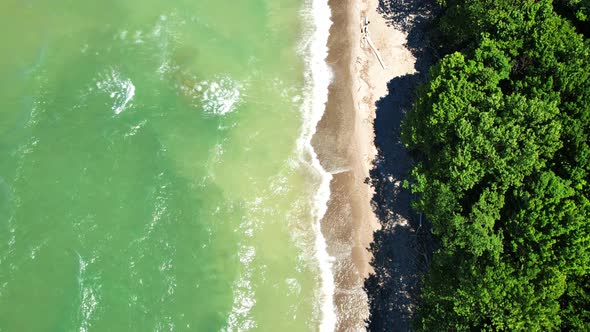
<point>344,142</point>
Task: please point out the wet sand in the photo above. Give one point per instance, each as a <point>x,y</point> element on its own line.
<point>344,142</point>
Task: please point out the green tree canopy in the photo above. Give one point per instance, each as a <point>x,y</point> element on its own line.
<point>501,131</point>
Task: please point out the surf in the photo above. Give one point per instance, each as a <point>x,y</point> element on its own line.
<point>318,76</point>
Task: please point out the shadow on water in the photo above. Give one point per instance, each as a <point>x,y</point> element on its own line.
<point>402,247</point>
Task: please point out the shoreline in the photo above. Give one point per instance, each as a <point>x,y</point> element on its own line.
<point>344,144</point>
<point>318,73</point>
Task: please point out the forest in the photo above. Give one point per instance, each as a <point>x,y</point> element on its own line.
<point>499,133</point>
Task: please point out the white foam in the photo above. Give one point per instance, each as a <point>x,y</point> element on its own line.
<point>219,97</point>
<point>121,90</point>
<point>35,250</point>
<point>318,76</point>
<point>138,37</point>
<point>135,129</point>
<point>129,93</point>
<point>157,30</point>
<point>293,285</point>
<point>88,296</point>
<point>239,318</point>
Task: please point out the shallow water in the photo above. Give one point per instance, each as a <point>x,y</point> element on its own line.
<point>153,172</point>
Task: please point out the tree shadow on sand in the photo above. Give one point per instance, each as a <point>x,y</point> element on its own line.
<point>402,248</point>
<point>413,17</point>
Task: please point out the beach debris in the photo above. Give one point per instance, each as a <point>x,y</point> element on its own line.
<point>367,38</point>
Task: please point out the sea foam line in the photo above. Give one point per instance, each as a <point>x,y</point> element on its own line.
<point>318,76</point>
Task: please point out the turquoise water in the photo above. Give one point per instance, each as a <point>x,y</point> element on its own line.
<point>153,174</point>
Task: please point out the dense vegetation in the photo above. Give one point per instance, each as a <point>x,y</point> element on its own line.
<point>501,137</point>
<point>580,9</point>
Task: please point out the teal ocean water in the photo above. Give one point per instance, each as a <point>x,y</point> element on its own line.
<point>155,166</point>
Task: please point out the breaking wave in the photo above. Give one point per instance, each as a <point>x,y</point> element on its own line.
<point>120,90</point>
<point>318,76</point>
